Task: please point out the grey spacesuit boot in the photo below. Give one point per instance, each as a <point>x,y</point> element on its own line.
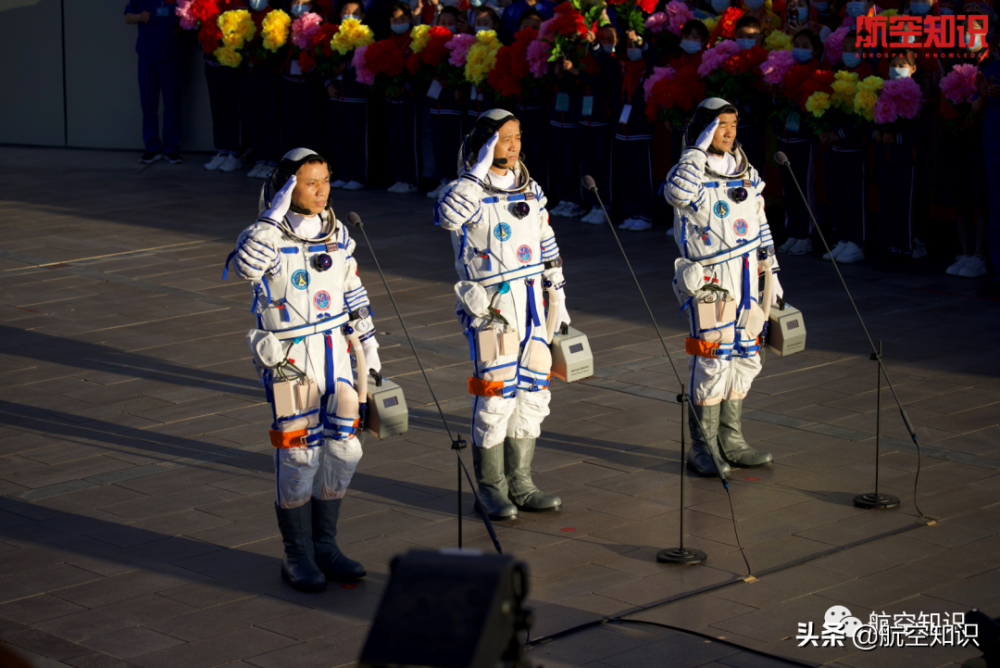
<point>488,467</point>
<point>517,456</point>
<point>334,564</point>
<point>299,567</point>
<point>735,450</point>
<point>699,457</point>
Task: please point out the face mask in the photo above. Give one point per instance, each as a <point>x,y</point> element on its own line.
<point>299,10</point>
<point>920,8</point>
<point>634,54</point>
<point>400,28</point>
<point>852,60</point>
<point>258,5</point>
<point>452,29</point>
<point>754,5</point>
<point>972,41</point>
<point>350,16</point>
<point>822,7</point>
<point>608,48</point>
<point>690,45</point>
<point>802,55</point>
<point>476,3</point>
<point>899,72</point>
<point>947,11</point>
<point>746,43</point>
<point>720,5</point>
<point>802,14</point>
<point>856,8</point>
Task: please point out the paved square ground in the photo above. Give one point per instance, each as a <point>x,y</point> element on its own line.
<point>136,520</point>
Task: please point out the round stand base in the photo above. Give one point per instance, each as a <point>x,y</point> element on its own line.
<point>876,501</point>
<point>677,555</point>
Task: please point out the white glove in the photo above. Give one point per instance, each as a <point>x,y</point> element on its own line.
<point>706,137</point>
<point>562,317</point>
<point>473,298</point>
<point>282,201</point>
<point>776,287</point>
<point>255,258</point>
<point>370,348</point>
<point>485,159</point>
<point>690,276</point>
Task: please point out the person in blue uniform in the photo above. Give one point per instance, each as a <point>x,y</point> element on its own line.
<point>159,49</point>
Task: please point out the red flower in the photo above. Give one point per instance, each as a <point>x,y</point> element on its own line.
<point>321,40</point>
<point>209,35</point>
<point>568,22</point>
<point>746,61</point>
<point>205,10</point>
<point>726,26</point>
<point>683,91</point>
<point>306,61</point>
<point>648,6</point>
<point>387,57</point>
<point>512,64</point>
<point>802,81</point>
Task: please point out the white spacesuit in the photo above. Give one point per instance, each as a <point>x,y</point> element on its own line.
<point>307,299</point>
<point>722,233</point>
<point>506,255</point>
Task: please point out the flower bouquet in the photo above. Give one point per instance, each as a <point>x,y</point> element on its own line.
<point>565,33</point>
<point>898,101</point>
<point>236,29</point>
<point>671,19</point>
<point>480,57</point>
<point>833,109</point>
<point>958,87</point>
<point>725,26</point>
<point>732,73</point>
<point>778,41</point>
<point>267,44</point>
<point>802,83</point>
<point>630,13</point>
<point>671,95</point>
<point>429,54</point>
<point>383,64</point>
<point>512,76</point>
<point>304,31</point>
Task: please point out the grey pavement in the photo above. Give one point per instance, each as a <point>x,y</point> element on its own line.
<point>136,521</point>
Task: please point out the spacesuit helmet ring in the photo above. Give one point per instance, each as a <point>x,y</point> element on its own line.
<point>704,114</point>
<point>288,167</point>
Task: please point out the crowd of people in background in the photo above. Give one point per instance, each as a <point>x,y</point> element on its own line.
<point>874,192</point>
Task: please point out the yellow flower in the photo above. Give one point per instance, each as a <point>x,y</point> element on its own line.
<point>351,35</point>
<point>818,103</point>
<point>482,57</point>
<point>778,41</point>
<point>710,23</point>
<point>227,56</point>
<point>237,27</point>
<point>419,37</point>
<point>275,28</point>
<point>845,87</point>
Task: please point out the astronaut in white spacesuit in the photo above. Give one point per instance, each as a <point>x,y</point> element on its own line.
<point>506,256</point>
<point>724,239</point>
<point>308,301</point>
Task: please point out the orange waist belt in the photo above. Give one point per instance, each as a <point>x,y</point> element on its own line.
<point>289,439</point>
<point>700,348</point>
<point>485,388</point>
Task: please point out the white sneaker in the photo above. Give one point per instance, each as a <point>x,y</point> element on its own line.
<point>434,194</point>
<point>835,251</point>
<point>919,249</point>
<point>339,183</point>
<point>252,174</point>
<point>595,217</point>
<point>353,185</point>
<point>231,163</point>
<point>216,161</point>
<point>850,254</point>
<point>406,188</point>
<point>783,248</point>
<point>641,225</point>
<point>956,269</point>
<point>627,224</point>
<point>801,247</point>
<point>394,188</point>
<point>974,267</point>
<point>557,210</point>
<point>574,210</point>
<point>259,171</point>
<point>265,171</point>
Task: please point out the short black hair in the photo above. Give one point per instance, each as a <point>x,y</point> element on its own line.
<point>401,6</point>
<point>529,14</point>
<point>494,17</point>
<point>449,10</point>
<point>694,25</point>
<point>814,39</point>
<point>747,22</point>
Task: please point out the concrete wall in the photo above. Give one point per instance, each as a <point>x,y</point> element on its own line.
<point>101,99</point>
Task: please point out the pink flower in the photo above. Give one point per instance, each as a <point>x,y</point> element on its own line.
<point>658,73</point>
<point>538,58</point>
<point>657,22</point>
<point>718,54</point>
<point>885,109</point>
<point>834,44</point>
<point>959,85</point>
<point>459,47</point>
<point>303,29</point>
<point>364,75</point>
<point>776,66</point>
<point>547,31</point>
<point>905,95</point>
<point>679,14</point>
<point>183,10</point>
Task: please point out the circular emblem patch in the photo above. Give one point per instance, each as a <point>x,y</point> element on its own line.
<point>524,254</point>
<point>721,209</point>
<point>300,279</point>
<point>502,231</point>
<point>740,227</point>
<point>322,300</point>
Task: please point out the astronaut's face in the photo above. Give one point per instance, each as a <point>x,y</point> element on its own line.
<point>509,146</point>
<point>725,134</point>
<point>312,187</point>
